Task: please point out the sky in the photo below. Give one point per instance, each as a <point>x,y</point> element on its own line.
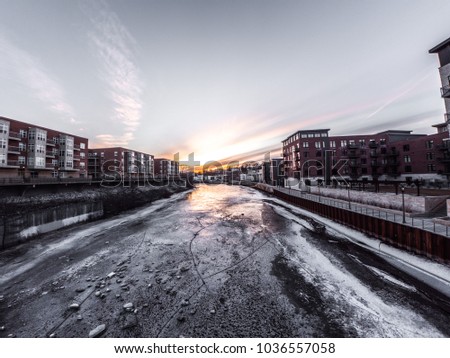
<point>225,80</point>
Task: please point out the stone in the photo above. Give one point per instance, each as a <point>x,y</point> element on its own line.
<point>80,289</point>
<point>97,331</point>
<point>130,321</point>
<point>149,285</point>
<point>74,306</point>
<point>185,303</point>
<point>181,319</point>
<point>98,293</point>
<point>79,317</point>
<point>108,290</point>
<point>111,275</point>
<point>128,306</point>
<point>2,328</point>
<point>53,335</point>
<point>212,311</point>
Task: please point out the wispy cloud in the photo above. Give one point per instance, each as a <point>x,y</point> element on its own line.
<point>29,71</point>
<point>115,49</point>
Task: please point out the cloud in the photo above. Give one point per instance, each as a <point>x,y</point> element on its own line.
<point>115,48</point>
<point>30,72</point>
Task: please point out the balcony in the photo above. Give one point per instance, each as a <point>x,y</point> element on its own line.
<point>445,92</point>
<point>373,154</point>
<point>13,163</point>
<point>76,157</point>
<point>50,143</point>
<point>352,146</point>
<point>76,147</point>
<point>374,164</point>
<point>14,136</point>
<point>50,154</point>
<point>373,144</point>
<point>353,154</point>
<point>392,153</point>
<point>14,150</point>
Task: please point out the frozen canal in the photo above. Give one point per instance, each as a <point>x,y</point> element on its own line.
<point>219,261</point>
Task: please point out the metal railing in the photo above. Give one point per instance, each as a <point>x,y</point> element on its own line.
<point>389,215</point>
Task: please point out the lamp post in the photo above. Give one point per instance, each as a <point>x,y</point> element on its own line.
<point>403,204</point>
<point>348,195</point>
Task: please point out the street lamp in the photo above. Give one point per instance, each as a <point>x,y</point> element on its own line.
<point>403,204</point>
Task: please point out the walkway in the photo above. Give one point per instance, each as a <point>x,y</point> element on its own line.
<point>387,214</point>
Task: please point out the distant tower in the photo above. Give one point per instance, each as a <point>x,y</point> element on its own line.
<point>443,51</point>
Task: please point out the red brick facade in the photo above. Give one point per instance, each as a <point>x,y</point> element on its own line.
<point>27,150</point>
<point>119,162</point>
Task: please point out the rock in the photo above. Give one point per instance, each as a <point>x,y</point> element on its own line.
<point>185,303</point>
<point>97,331</point>
<point>98,293</point>
<point>184,268</point>
<point>130,321</point>
<point>212,311</point>
<point>2,298</point>
<point>102,295</point>
<point>11,335</point>
<point>181,319</point>
<point>53,335</point>
<point>2,328</point>
<point>108,290</point>
<point>74,306</point>
<point>178,277</point>
<point>80,289</point>
<point>117,295</point>
<point>145,304</point>
<point>106,242</point>
<point>128,306</point>
<point>149,285</point>
<point>79,317</point>
<point>55,283</point>
<point>111,275</point>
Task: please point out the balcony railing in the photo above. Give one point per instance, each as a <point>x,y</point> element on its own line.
<point>50,154</point>
<point>50,142</point>
<point>445,91</point>
<point>12,149</point>
<point>14,135</point>
<point>13,163</point>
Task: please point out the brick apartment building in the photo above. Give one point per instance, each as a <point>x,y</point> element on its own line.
<point>388,155</point>
<point>27,150</point>
<point>119,162</point>
<point>166,168</point>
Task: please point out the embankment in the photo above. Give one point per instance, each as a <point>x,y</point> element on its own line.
<point>24,218</point>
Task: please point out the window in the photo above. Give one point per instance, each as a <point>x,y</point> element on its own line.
<point>305,154</point>
<point>318,145</point>
<point>317,135</point>
<point>40,149</point>
<point>31,147</point>
<point>343,143</point>
<point>382,141</point>
<point>31,162</point>
<point>408,169</point>
<point>40,162</point>
<point>305,144</point>
<point>2,158</point>
<point>116,154</point>
<point>324,134</point>
<point>406,148</point>
<point>332,144</point>
<point>429,144</point>
<point>362,142</point>
<point>318,153</point>
<point>430,156</point>
<point>82,164</point>
<point>102,154</point>
<point>364,170</point>
<point>23,133</point>
<point>21,160</point>
<point>3,143</point>
<point>4,128</point>
<point>22,147</point>
<point>304,135</point>
<point>31,135</point>
<point>82,146</point>
<point>431,168</point>
<point>82,155</point>
<point>407,159</point>
<point>363,161</point>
